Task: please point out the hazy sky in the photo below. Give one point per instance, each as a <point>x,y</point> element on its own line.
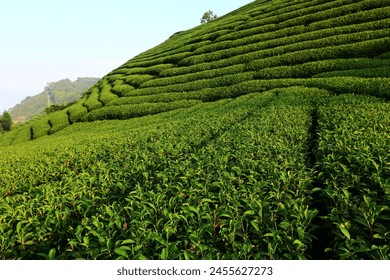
<point>48,40</point>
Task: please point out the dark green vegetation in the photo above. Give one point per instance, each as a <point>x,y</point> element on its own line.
<point>263,134</point>
<point>5,122</point>
<point>56,94</point>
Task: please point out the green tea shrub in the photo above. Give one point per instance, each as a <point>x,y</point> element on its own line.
<point>58,121</point>
<point>361,16</point>
<point>314,69</point>
<point>207,74</point>
<point>77,111</point>
<point>23,134</point>
<point>122,90</point>
<point>117,82</point>
<point>166,59</point>
<point>379,72</point>
<point>317,14</point>
<point>360,49</point>
<point>298,15</point>
<point>111,79</point>
<point>124,70</point>
<point>157,69</point>
<point>137,80</point>
<point>352,154</point>
<point>162,97</point>
<point>338,85</point>
<point>197,85</point>
<point>40,128</point>
<point>290,44</point>
<point>385,55</point>
<point>177,71</point>
<point>93,101</point>
<point>106,95</point>
<point>368,86</point>
<point>130,111</point>
<point>6,139</point>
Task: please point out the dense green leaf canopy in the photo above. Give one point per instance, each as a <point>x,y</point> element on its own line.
<point>263,134</point>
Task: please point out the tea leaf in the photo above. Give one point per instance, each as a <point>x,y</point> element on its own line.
<point>52,254</point>
<point>344,231</point>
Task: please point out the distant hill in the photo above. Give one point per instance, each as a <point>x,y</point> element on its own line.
<point>62,92</point>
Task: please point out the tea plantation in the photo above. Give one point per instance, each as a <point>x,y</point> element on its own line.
<point>263,134</point>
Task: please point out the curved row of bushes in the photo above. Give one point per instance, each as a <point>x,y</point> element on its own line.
<point>126,111</point>
<point>310,69</point>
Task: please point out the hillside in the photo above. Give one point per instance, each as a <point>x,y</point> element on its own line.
<point>263,134</point>
<point>59,93</point>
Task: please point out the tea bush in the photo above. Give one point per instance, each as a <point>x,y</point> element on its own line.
<point>315,69</point>
<point>311,40</point>
<point>122,90</point>
<point>77,111</point>
<point>131,111</point>
<point>137,80</point>
<point>21,135</point>
<point>379,72</point>
<point>93,102</point>
<point>208,74</point>
<point>40,128</point>
<point>353,173</point>
<point>369,48</point>
<point>58,121</point>
<point>106,95</point>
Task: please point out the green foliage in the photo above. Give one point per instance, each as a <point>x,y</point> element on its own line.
<point>352,157</point>
<point>261,135</point>
<point>137,80</point>
<point>77,111</point>
<point>208,16</point>
<point>99,216</point>
<point>226,80</point>
<point>93,102</point>
<point>22,134</point>
<point>58,121</point>
<point>122,90</point>
<point>130,111</point>
<point>321,68</point>
<point>385,55</point>
<point>369,48</point>
<point>40,128</point>
<point>5,122</point>
<point>106,95</point>
<point>378,72</point>
<point>310,40</point>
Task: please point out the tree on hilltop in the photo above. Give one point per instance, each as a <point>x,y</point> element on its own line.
<point>208,16</point>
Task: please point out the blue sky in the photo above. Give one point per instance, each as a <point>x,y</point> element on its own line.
<point>49,40</point>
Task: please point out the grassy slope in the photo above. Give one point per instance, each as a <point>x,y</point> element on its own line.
<point>256,158</point>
